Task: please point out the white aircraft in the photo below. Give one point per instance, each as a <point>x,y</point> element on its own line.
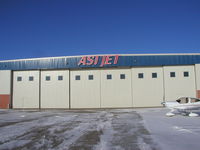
<point>183,105</point>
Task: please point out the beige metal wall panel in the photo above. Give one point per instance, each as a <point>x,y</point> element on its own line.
<point>116,92</point>
<point>147,90</point>
<point>197,71</point>
<point>26,89</point>
<point>5,79</point>
<point>55,89</point>
<point>179,85</point>
<point>85,93</point>
<point>197,75</point>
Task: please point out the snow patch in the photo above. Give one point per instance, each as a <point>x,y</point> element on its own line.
<point>181,129</point>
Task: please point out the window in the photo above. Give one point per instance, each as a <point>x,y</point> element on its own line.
<point>140,75</point>
<point>109,76</point>
<point>31,78</point>
<point>122,76</point>
<point>183,100</point>
<point>19,78</point>
<point>186,74</point>
<point>194,100</point>
<point>172,74</point>
<point>154,75</point>
<point>90,77</point>
<point>60,78</point>
<point>77,77</point>
<point>48,78</point>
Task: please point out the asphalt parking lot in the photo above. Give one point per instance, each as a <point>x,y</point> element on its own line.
<point>115,129</point>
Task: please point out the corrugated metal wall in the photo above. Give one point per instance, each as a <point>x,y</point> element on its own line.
<point>123,61</point>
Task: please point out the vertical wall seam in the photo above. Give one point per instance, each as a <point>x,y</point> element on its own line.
<point>163,83</point>
<point>195,78</point>
<point>40,88</point>
<point>69,86</point>
<point>132,87</point>
<point>11,89</point>
<point>100,87</point>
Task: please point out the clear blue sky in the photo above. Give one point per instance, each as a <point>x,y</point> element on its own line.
<point>43,28</point>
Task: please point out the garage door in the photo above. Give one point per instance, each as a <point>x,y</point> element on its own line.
<point>85,88</point>
<point>179,81</point>
<point>26,89</point>
<point>147,86</point>
<point>116,88</point>
<point>55,89</point>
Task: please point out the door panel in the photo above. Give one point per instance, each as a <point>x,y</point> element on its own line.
<point>26,89</point>
<point>147,86</point>
<point>116,88</point>
<point>179,82</point>
<point>85,88</point>
<point>55,89</point>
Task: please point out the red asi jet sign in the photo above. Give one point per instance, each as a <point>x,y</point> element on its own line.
<point>94,60</point>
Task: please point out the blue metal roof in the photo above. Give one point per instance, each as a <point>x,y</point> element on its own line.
<point>123,61</point>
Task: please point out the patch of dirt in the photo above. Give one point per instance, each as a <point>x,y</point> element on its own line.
<point>13,123</point>
<point>87,141</point>
<point>128,134</point>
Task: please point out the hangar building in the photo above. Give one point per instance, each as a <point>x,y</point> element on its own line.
<point>99,81</point>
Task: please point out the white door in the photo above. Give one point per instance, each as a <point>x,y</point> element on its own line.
<point>179,82</point>
<point>85,88</point>
<point>26,89</point>
<point>55,89</point>
<point>116,88</point>
<point>147,86</point>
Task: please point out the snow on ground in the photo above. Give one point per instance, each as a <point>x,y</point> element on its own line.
<point>74,130</point>
<point>114,129</point>
<point>172,133</point>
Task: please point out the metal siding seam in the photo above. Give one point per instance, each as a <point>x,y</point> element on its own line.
<point>131,87</point>
<point>40,89</point>
<point>100,87</point>
<point>69,89</point>
<point>11,90</point>
<point>195,78</point>
<point>163,84</point>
